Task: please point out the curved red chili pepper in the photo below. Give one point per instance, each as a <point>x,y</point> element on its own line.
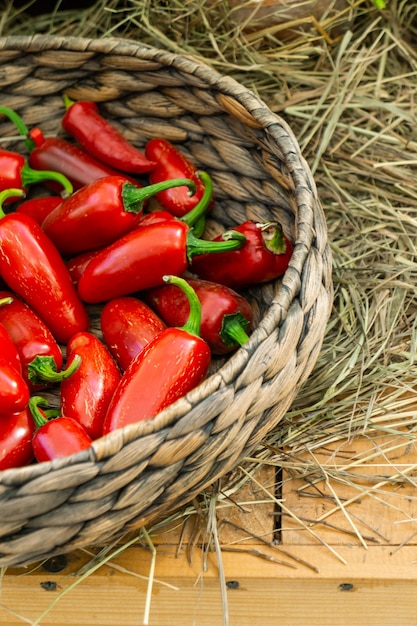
<point>102,139</point>
<point>58,437</point>
<point>98,214</point>
<point>32,267</point>
<point>77,264</point>
<point>16,432</point>
<point>79,167</point>
<point>128,325</point>
<point>141,258</point>
<point>171,164</point>
<point>14,391</point>
<point>226,316</point>
<point>264,257</point>
<point>167,368</point>
<point>86,394</point>
<point>29,334</point>
<point>39,208</point>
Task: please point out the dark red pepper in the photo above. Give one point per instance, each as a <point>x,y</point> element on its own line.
<point>79,167</point>
<point>58,437</point>
<point>226,316</point>
<point>86,394</point>
<point>171,164</point>
<point>16,432</point>
<point>102,139</point>
<point>141,258</point>
<point>167,368</point>
<point>128,325</point>
<point>264,257</point>
<point>99,213</point>
<point>14,391</point>
<point>32,267</point>
<point>39,208</point>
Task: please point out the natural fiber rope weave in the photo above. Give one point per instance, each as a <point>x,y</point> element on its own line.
<point>129,477</point>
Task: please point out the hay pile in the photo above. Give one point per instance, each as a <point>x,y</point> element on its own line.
<point>347,85</point>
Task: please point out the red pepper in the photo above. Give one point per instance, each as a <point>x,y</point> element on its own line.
<point>39,208</point>
<point>77,264</point>
<point>128,325</point>
<point>79,167</point>
<point>58,437</point>
<point>141,258</point>
<point>167,368</point>
<point>30,335</point>
<point>226,316</point>
<point>86,394</point>
<point>16,432</point>
<point>102,139</point>
<point>99,213</point>
<point>14,392</point>
<point>32,267</point>
<point>171,164</point>
<point>264,257</point>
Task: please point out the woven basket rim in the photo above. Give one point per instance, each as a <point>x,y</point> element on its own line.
<point>270,123</point>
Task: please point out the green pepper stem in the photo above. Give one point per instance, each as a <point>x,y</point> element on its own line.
<point>38,417</point>
<point>67,101</point>
<point>7,300</point>
<point>233,330</point>
<point>273,237</point>
<point>9,193</point>
<point>194,216</point>
<point>19,123</point>
<point>43,369</point>
<point>30,176</point>
<point>133,197</point>
<point>193,323</point>
<point>195,246</point>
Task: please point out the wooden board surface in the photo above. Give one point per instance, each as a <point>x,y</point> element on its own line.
<point>347,556</point>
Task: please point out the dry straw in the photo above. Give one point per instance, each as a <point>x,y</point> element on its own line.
<point>348,91</point>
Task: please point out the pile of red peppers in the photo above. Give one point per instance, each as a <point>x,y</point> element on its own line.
<point>86,220</point>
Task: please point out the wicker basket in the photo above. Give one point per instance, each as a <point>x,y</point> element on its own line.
<point>134,475</point>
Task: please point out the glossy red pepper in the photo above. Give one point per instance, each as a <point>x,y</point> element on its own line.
<point>98,214</point>
<point>16,432</point>
<point>167,368</point>
<point>58,437</point>
<point>79,167</point>
<point>32,267</point>
<point>171,164</point>
<point>30,336</point>
<point>226,316</point>
<point>128,325</point>
<point>102,139</point>
<point>141,258</point>
<point>77,264</point>
<point>14,391</point>
<point>264,257</point>
<point>86,394</point>
<point>39,208</point>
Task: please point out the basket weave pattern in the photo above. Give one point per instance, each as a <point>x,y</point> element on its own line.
<point>133,475</point>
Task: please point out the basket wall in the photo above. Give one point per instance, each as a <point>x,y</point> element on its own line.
<point>133,475</point>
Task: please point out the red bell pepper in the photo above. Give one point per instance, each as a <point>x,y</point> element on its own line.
<point>86,394</point>
<point>16,432</point>
<point>102,139</point>
<point>128,325</point>
<point>141,258</point>
<point>171,164</point>
<point>167,368</point>
<point>264,257</point>
<point>39,208</point>
<point>226,316</point>
<point>14,391</point>
<point>32,267</point>
<point>58,437</point>
<point>99,213</point>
